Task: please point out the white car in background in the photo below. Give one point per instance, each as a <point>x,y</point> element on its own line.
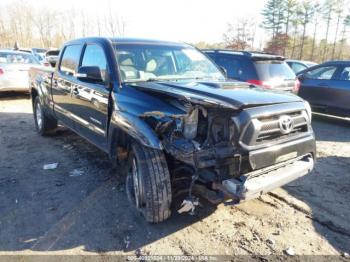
<point>299,65</point>
<point>14,67</point>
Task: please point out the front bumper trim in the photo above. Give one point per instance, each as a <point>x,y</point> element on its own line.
<point>255,186</point>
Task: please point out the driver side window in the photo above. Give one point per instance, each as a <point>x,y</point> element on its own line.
<point>324,73</point>
<point>95,56</point>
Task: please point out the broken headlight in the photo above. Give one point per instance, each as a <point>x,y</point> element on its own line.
<point>191,124</point>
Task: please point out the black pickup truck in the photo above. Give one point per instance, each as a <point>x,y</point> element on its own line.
<point>165,112</point>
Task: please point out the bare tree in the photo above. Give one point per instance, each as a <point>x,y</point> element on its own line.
<point>339,12</point>
<point>346,24</point>
<point>327,16</point>
<point>317,9</point>
<point>240,34</point>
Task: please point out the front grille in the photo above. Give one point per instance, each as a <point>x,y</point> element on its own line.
<point>267,129</point>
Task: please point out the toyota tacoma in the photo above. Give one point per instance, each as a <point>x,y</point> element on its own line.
<point>165,113</point>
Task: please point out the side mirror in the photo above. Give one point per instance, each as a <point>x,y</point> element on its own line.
<point>89,74</point>
<point>223,71</point>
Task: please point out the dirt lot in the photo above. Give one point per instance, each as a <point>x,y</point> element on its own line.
<point>52,211</point>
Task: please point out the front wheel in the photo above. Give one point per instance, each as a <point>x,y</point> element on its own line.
<point>44,123</point>
<point>148,183</point>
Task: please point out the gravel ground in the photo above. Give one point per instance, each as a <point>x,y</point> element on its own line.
<point>53,212</point>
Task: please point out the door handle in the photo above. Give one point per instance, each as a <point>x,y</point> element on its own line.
<point>75,91</point>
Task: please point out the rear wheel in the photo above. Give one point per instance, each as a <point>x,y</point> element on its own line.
<point>148,183</point>
<point>44,123</point>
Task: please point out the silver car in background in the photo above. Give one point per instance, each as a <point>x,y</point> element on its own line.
<point>14,67</point>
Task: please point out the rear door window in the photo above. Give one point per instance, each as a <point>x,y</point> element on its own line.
<point>70,59</point>
<point>232,64</point>
<point>268,70</point>
<point>322,73</point>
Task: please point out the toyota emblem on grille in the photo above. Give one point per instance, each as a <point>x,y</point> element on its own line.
<point>286,124</point>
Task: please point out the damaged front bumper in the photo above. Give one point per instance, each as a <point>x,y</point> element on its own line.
<point>256,183</point>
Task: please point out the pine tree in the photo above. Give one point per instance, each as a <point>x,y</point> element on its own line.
<point>274,16</point>
<point>346,24</point>
<point>339,11</point>
<point>328,10</point>
<point>305,13</point>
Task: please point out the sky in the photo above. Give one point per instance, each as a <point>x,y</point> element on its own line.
<point>181,20</point>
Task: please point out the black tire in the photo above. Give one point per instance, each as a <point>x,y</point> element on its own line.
<point>153,199</point>
<point>44,123</point>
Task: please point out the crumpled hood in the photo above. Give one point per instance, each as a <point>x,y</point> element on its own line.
<point>234,95</point>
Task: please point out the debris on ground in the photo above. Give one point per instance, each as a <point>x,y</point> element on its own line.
<point>76,172</point>
<point>277,233</point>
<point>127,242</point>
<point>188,205</point>
<point>50,166</point>
<point>289,251</point>
<point>69,147</point>
<point>271,242</point>
<point>346,255</point>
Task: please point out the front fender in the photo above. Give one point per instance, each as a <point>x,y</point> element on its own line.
<point>136,128</point>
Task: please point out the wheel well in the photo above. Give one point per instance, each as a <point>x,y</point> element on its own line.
<point>120,145</point>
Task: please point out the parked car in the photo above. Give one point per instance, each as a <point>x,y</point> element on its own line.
<point>266,70</point>
<point>299,65</point>
<point>38,53</point>
<point>14,67</point>
<point>51,57</point>
<point>168,114</point>
<point>327,87</point>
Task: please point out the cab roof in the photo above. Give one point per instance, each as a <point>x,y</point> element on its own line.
<point>126,40</point>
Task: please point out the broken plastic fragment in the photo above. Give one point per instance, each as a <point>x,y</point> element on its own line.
<point>188,205</point>
<point>50,166</point>
<point>76,172</point>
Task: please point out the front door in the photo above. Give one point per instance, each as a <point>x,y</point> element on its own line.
<point>90,99</point>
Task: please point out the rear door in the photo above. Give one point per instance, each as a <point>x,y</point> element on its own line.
<point>317,86</point>
<point>339,96</point>
<point>63,82</point>
<point>90,99</point>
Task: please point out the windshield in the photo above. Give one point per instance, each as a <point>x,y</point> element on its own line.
<point>17,58</point>
<point>156,62</point>
<point>268,70</point>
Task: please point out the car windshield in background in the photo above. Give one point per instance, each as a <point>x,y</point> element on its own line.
<point>39,50</point>
<point>17,58</point>
<point>156,62</point>
<point>268,70</point>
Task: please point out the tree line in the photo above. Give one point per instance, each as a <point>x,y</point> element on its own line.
<point>315,30</point>
<point>299,29</point>
<point>32,26</point>
<point>308,29</point>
